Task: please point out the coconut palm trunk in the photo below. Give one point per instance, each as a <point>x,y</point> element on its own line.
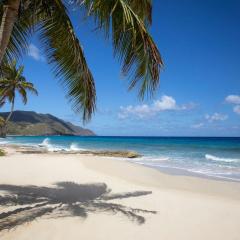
<point>3,131</point>
<point>9,17</point>
<point>3,127</point>
<point>11,112</point>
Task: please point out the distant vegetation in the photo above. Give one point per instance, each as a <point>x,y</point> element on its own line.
<point>32,123</point>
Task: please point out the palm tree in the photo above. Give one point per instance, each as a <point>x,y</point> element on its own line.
<point>126,22</point>
<point>12,81</point>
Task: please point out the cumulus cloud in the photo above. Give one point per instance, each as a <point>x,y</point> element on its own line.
<point>140,111</point>
<point>236,109</point>
<point>165,103</point>
<point>34,52</point>
<point>216,117</point>
<point>234,99</point>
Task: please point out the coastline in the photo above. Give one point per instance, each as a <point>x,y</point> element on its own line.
<point>212,158</point>
<point>125,155</point>
<point>152,177</point>
<point>172,207</point>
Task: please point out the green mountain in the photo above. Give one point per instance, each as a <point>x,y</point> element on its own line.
<point>32,123</point>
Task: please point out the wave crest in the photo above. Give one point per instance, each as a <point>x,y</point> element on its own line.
<point>214,158</point>
<point>152,159</point>
<point>74,147</point>
<point>46,144</point>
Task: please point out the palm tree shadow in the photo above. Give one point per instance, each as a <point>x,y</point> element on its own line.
<point>66,199</point>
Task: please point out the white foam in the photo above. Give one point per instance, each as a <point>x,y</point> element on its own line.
<point>207,173</point>
<point>214,158</point>
<point>75,147</point>
<point>151,159</point>
<point>51,148</point>
<point>2,142</point>
<point>45,143</point>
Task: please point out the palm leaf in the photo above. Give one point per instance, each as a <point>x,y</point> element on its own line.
<point>13,81</point>
<point>64,52</point>
<point>62,48</point>
<point>23,94</point>
<point>28,86</point>
<point>22,31</point>
<point>126,21</point>
<point>143,9</point>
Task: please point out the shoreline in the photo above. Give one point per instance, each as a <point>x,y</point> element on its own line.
<point>112,200</point>
<point>184,172</point>
<point>169,181</point>
<point>119,156</point>
<point>89,157</point>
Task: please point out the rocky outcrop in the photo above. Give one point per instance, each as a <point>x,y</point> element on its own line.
<point>42,150</point>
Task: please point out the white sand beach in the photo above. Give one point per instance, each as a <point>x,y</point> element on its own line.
<point>70,198</point>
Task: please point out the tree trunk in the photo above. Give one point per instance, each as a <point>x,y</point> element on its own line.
<point>3,127</point>
<point>10,13</point>
<point>11,112</point>
<point>3,131</point>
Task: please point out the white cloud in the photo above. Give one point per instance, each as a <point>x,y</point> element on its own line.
<point>165,103</point>
<point>140,111</point>
<point>216,117</point>
<point>234,99</point>
<point>236,109</point>
<point>198,125</point>
<point>34,52</point>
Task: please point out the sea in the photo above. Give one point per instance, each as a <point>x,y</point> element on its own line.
<point>212,157</point>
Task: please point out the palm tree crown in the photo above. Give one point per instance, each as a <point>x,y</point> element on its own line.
<point>125,22</point>
<point>12,81</point>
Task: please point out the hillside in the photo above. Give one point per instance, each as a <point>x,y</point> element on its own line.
<point>32,123</point>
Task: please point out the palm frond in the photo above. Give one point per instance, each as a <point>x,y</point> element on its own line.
<point>143,9</point>
<point>23,94</point>
<point>8,71</point>
<point>19,72</point>
<point>12,81</point>
<point>61,46</point>
<point>28,86</point>
<point>22,30</point>
<point>64,52</point>
<point>2,103</point>
<point>126,21</point>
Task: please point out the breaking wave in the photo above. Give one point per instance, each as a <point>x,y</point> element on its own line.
<point>51,148</point>
<point>75,147</point>
<point>46,143</point>
<point>214,158</point>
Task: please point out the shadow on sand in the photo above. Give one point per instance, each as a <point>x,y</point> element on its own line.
<point>66,199</point>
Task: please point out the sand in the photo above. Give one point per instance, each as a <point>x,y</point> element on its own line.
<point>102,198</point>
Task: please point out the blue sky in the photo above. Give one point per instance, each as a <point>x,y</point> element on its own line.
<point>199,93</point>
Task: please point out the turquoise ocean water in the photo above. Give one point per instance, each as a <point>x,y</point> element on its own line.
<point>204,156</point>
